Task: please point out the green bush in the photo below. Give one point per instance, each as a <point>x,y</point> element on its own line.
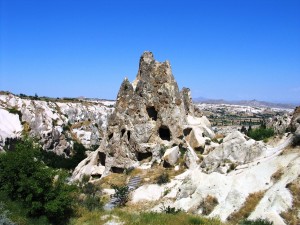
<point>24,177</point>
<point>163,179</point>
<point>122,194</point>
<point>256,222</point>
<point>260,133</point>
<point>59,161</point>
<point>170,210</point>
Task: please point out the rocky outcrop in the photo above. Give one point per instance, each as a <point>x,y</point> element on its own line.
<point>295,126</point>
<point>57,124</point>
<point>279,124</point>
<point>148,113</point>
<point>268,178</point>
<point>151,114</point>
<point>236,149</point>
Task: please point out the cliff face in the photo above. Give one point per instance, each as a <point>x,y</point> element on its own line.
<point>57,124</point>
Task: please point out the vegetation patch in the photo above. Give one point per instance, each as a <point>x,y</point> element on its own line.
<point>144,218</point>
<point>291,216</point>
<point>261,133</point>
<point>163,179</point>
<point>256,222</point>
<point>41,189</point>
<point>59,161</point>
<point>122,194</point>
<point>208,204</point>
<point>248,207</point>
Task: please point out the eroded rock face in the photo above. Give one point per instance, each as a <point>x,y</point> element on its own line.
<point>150,115</point>
<point>56,124</point>
<point>295,126</point>
<point>149,111</point>
<point>295,121</point>
<point>236,149</point>
<point>280,124</point>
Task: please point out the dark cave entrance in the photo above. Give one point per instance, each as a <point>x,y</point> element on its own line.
<point>143,155</point>
<point>102,158</point>
<point>164,133</point>
<point>115,169</point>
<point>152,113</point>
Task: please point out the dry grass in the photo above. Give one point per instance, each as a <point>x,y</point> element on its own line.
<point>277,175</point>
<point>291,216</point>
<point>208,204</point>
<point>248,207</point>
<point>128,217</point>
<point>118,179</point>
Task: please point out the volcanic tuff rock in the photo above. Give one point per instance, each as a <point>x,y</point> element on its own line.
<point>150,114</point>
<point>279,123</point>
<point>55,123</point>
<point>295,126</point>
<point>236,149</point>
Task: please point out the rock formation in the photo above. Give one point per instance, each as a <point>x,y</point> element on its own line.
<point>279,124</point>
<point>236,149</point>
<point>295,126</point>
<point>150,114</point>
<point>57,124</point>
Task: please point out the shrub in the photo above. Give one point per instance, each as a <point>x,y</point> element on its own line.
<point>163,179</point>
<point>162,151</point>
<point>59,161</point>
<point>256,222</point>
<point>122,194</point>
<point>296,140</point>
<point>24,177</point>
<point>260,133</point>
<point>170,210</point>
<point>128,170</point>
<point>207,142</point>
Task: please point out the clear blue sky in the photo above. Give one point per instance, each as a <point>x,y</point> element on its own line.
<point>230,49</point>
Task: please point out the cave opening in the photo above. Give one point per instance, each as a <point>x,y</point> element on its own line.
<point>152,113</point>
<point>187,131</point>
<point>102,158</point>
<point>128,135</point>
<point>115,169</point>
<point>143,155</point>
<point>164,133</point>
<point>123,132</point>
<point>110,136</point>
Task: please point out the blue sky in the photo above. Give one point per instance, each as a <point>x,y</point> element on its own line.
<point>229,49</point>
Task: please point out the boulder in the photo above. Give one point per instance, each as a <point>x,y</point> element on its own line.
<point>236,149</point>
<point>191,158</point>
<point>171,156</point>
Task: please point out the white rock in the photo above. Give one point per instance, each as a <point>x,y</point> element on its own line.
<point>149,192</point>
<point>171,155</point>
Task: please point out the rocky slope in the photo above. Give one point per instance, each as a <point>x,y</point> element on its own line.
<point>56,124</point>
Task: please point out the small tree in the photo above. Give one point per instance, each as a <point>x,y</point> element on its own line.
<point>23,176</point>
<point>122,194</point>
